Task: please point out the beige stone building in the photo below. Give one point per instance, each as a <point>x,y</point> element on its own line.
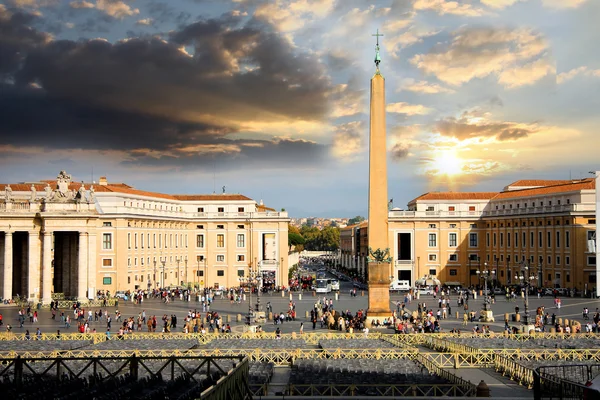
<point>60,236</point>
<point>547,225</point>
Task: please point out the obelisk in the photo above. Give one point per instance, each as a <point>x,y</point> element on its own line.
<point>378,257</point>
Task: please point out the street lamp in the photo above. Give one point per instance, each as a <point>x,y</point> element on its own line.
<point>163,261</point>
<point>155,272</point>
<point>186,273</point>
<point>526,278</point>
<point>485,274</point>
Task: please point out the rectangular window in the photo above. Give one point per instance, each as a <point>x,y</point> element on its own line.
<point>220,258</point>
<point>549,239</point>
<point>591,260</point>
<point>452,241</point>
<point>508,236</point>
<point>142,240</point>
<point>220,226</point>
<point>531,239</point>
<point>129,240</point>
<point>433,272</point>
<point>220,272</point>
<point>494,239</point>
<point>557,260</point>
<point>557,240</point>
<point>451,208</point>
<point>135,241</point>
<point>240,226</point>
<point>487,239</point>
<point>474,226</point>
<point>453,257</point>
<point>106,280</point>
<point>540,239</point>
<point>241,240</point>
<point>221,209</point>
<point>501,239</point>
<point>107,262</point>
<point>433,257</point>
<point>453,272</point>
<point>220,240</point>
<point>432,226</point>
<point>567,239</point>
<point>432,240</point>
<point>473,257</point>
<point>241,257</point>
<point>473,242</point>
<point>471,208</point>
<point>240,209</point>
<point>567,260</point>
<point>107,241</point>
<point>200,241</point>
<point>108,224</point>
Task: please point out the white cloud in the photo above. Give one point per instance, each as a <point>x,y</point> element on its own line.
<point>145,21</point>
<point>583,71</point>
<point>527,74</point>
<point>81,4</point>
<point>563,3</point>
<point>480,52</point>
<point>289,16</point>
<point>448,7</point>
<point>348,140</point>
<point>114,8</point>
<point>499,3</point>
<point>407,109</point>
<point>423,87</point>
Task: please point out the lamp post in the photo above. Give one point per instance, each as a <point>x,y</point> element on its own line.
<point>526,278</point>
<point>197,271</point>
<point>163,261</point>
<point>485,274</point>
<point>178,260</point>
<point>155,273</point>
<point>186,272</point>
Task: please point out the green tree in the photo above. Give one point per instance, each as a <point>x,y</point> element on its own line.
<point>330,238</point>
<point>356,220</point>
<point>311,236</point>
<point>295,240</point>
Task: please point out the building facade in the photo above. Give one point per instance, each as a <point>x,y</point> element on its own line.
<point>547,226</point>
<point>76,239</point>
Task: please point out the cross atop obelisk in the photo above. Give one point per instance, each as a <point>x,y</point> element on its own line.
<point>377,56</point>
<point>378,258</point>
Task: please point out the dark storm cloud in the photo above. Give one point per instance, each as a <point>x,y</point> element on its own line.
<point>462,129</point>
<point>147,93</point>
<point>252,154</point>
<point>399,152</point>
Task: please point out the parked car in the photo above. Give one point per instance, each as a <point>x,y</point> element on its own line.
<point>121,295</point>
<point>424,290</point>
<point>498,291</point>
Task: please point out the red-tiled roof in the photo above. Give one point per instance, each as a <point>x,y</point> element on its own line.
<point>586,184</point>
<point>455,196</point>
<point>217,197</point>
<point>124,188</point>
<point>264,208</point>
<point>540,182</point>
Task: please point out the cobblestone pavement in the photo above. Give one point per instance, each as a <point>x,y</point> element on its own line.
<point>571,309</point>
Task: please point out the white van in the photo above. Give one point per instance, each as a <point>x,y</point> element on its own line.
<point>400,286</point>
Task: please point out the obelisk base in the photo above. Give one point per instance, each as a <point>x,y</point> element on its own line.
<point>379,291</point>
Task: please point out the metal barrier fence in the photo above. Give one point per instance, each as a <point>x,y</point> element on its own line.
<point>550,382</point>
<point>232,386</point>
<point>467,388</point>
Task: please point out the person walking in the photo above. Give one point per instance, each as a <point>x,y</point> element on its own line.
<point>301,328</point>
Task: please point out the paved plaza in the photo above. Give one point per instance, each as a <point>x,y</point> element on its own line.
<point>571,309</point>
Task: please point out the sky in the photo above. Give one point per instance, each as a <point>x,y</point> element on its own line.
<point>270,98</point>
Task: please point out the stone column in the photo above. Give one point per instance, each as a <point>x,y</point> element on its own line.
<point>92,264</point>
<point>47,268</point>
<point>33,269</point>
<point>8,265</point>
<point>82,267</point>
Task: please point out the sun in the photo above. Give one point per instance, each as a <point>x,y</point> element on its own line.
<point>446,162</point>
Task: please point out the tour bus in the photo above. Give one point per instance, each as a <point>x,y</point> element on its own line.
<point>323,286</point>
<point>335,285</point>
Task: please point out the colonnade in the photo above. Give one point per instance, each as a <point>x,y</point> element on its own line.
<point>36,262</point>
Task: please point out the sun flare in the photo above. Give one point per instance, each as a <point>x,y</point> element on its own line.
<point>446,162</point>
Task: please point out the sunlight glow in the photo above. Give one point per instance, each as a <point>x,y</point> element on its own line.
<point>446,162</point>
